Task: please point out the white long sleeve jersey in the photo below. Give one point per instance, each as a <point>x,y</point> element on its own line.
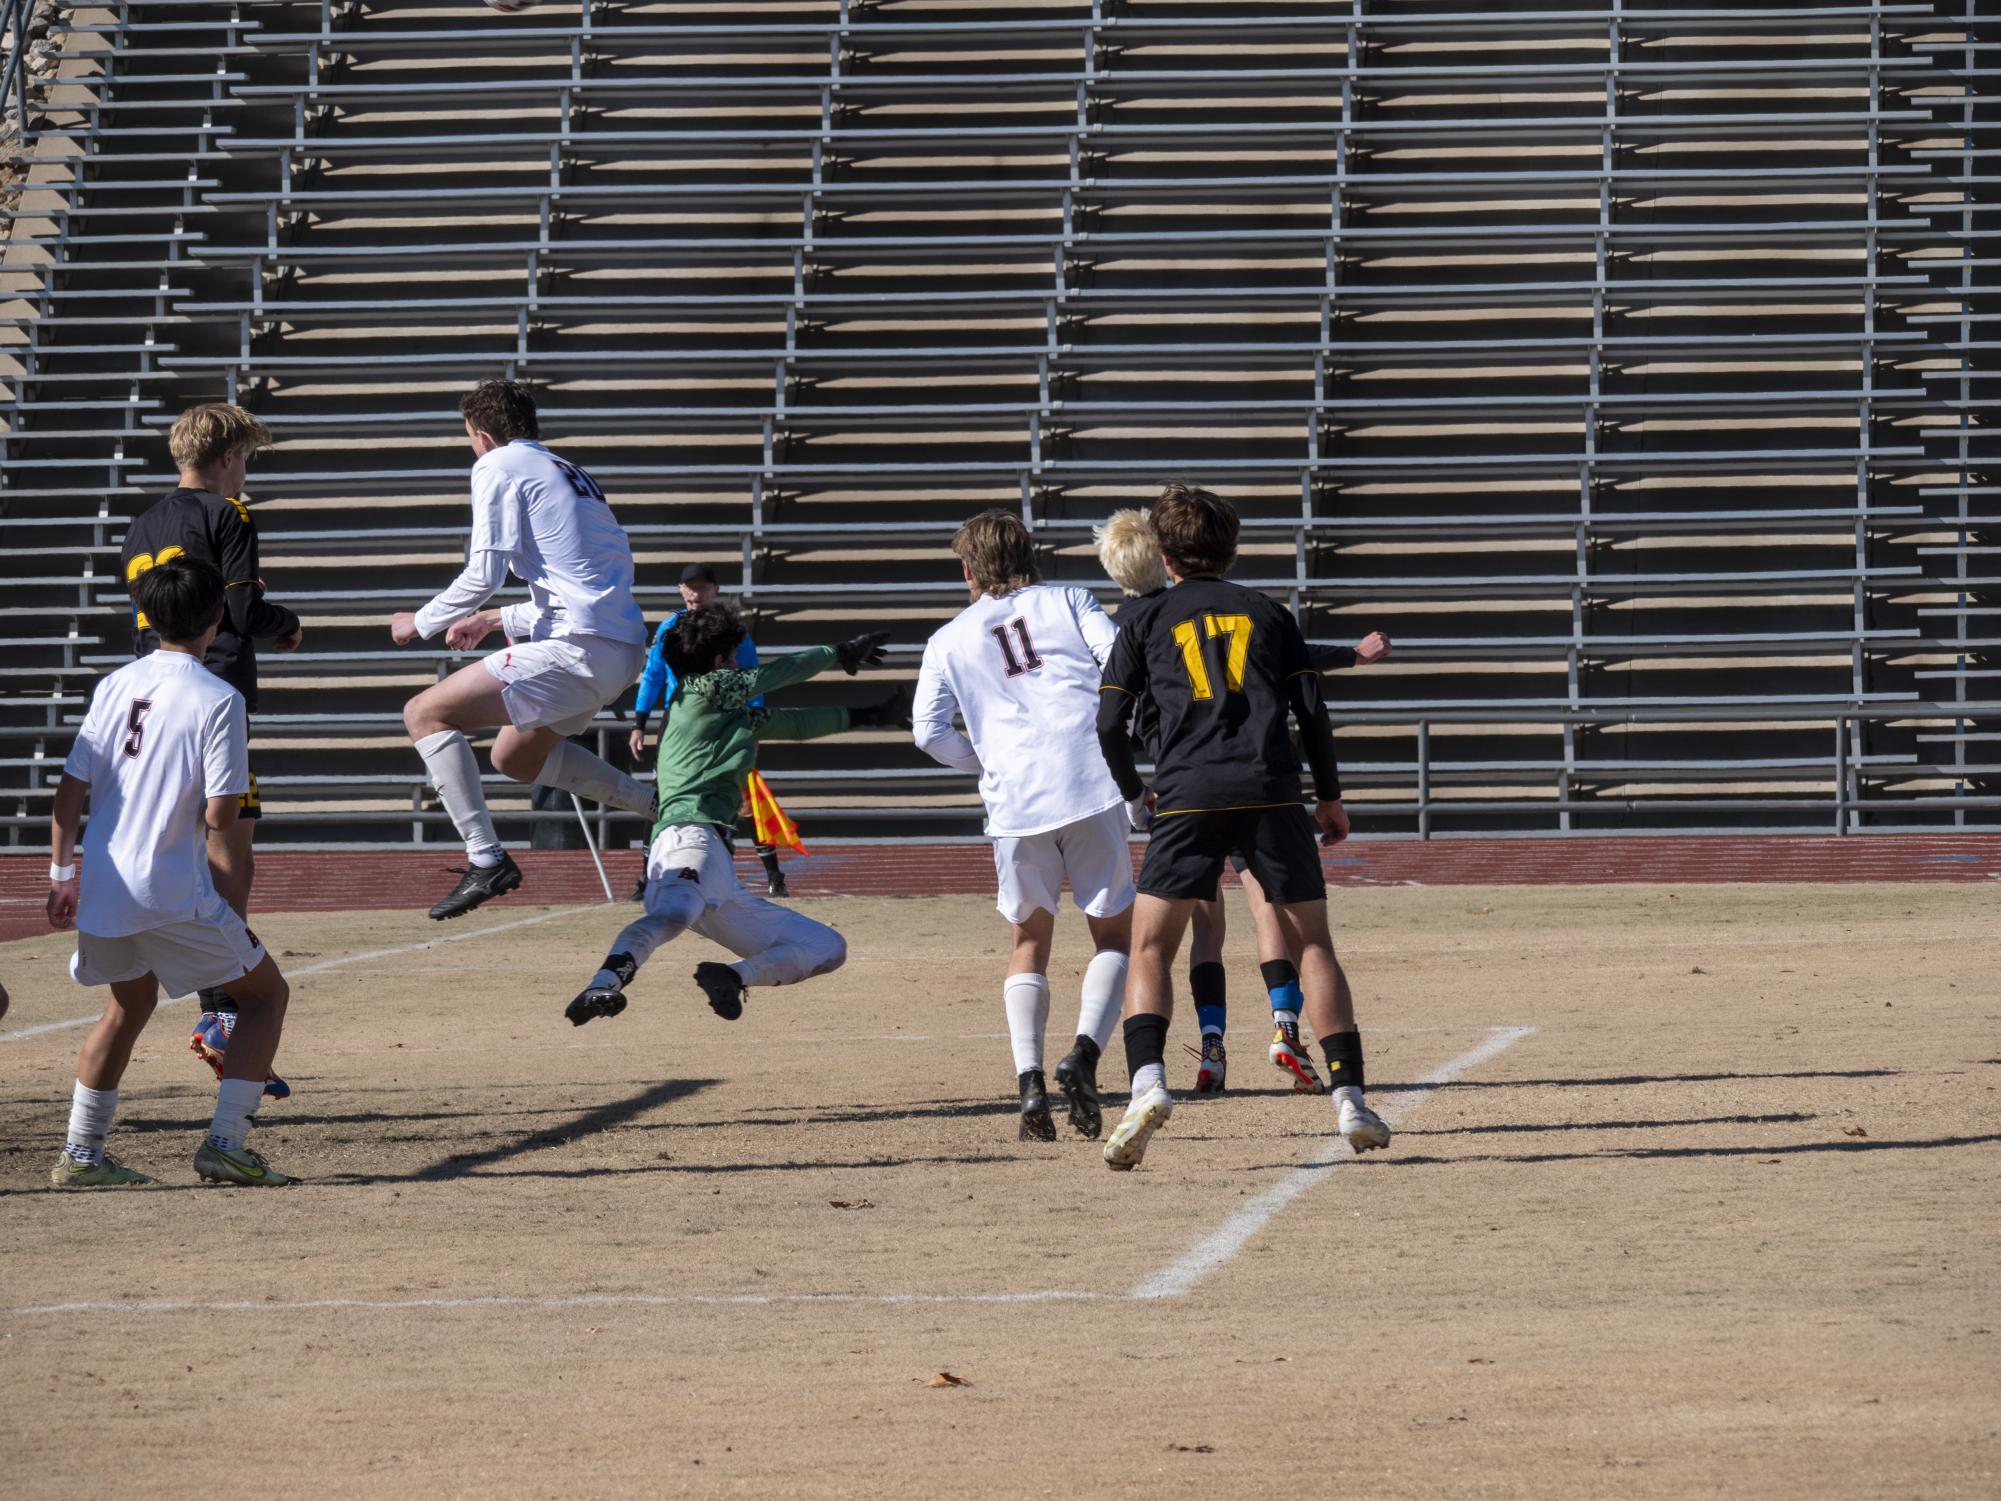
<point>1022,670</point>
<point>544,520</point>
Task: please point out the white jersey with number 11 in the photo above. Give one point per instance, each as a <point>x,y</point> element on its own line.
<point>1022,670</point>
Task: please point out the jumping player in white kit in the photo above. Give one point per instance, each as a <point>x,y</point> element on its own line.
<point>163,758</point>
<point>578,642</point>
<point>1021,665</point>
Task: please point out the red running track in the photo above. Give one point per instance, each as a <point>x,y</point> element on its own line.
<point>300,882</point>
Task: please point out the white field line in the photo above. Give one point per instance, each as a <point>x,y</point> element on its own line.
<point>1215,1250</point>
<point>327,964</point>
<point>572,1300</point>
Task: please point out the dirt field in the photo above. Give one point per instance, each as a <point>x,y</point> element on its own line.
<point>1724,1222</point>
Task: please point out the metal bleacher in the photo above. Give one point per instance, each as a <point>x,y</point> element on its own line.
<point>1633,365</point>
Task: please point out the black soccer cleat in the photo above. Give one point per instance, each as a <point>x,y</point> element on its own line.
<point>723,987</point>
<point>603,1000</point>
<point>1035,1122</point>
<point>775,884</point>
<point>1077,1077</point>
<point>599,1000</point>
<point>477,884</point>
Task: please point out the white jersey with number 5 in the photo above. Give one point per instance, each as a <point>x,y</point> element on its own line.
<point>543,519</point>
<point>1022,670</point>
<point>162,736</point>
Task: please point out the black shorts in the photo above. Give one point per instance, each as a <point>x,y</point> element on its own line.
<point>250,805</point>
<point>1184,856</point>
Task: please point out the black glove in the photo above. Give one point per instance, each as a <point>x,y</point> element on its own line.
<point>863,651</point>
<point>893,713</point>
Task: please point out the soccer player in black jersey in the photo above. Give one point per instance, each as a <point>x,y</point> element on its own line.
<point>206,517</point>
<point>1130,554</point>
<point>1221,667</point>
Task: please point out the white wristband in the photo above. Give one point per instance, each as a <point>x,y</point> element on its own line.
<point>62,872</point>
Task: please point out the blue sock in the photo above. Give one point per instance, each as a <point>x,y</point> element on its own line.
<point>1209,984</point>
<point>1282,982</point>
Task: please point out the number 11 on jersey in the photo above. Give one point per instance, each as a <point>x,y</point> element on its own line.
<point>1028,660</point>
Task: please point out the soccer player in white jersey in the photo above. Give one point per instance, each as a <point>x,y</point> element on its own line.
<point>576,644</point>
<point>1020,665</point>
<point>163,757</point>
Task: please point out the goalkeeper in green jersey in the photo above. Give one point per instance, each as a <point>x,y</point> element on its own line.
<point>707,742</point>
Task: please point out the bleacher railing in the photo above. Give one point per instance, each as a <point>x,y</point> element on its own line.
<point>1628,364</point>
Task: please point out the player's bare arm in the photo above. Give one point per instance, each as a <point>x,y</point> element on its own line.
<point>469,632</point>
<point>1316,736</point>
<point>64,818</point>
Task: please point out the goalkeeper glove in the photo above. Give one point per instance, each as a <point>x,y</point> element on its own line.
<point>893,713</point>
<point>863,651</point>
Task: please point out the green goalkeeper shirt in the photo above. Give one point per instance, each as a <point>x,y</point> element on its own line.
<point>709,738</point>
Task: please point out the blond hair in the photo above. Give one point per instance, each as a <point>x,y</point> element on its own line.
<point>1130,552</point>
<point>207,435</point>
<point>998,552</point>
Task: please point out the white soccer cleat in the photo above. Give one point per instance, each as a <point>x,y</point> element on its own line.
<point>1364,1129</point>
<point>1144,1116</point>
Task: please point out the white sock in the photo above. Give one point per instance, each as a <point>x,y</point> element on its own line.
<point>90,1113</point>
<point>1347,1092</point>
<point>1150,1076</point>
<point>1104,996</point>
<point>455,774</point>
<point>236,1100</point>
<point>1285,1018</point>
<point>571,768</point>
<point>1026,998</point>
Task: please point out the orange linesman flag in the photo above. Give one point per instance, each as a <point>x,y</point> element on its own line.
<point>773,827</point>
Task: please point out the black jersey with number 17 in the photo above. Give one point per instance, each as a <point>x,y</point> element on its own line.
<point>1212,658</point>
<point>217,530</point>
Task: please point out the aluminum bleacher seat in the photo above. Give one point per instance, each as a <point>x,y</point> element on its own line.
<point>1637,379</point>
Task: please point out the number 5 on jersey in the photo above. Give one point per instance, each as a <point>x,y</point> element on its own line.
<point>1237,628</point>
<point>135,725</point>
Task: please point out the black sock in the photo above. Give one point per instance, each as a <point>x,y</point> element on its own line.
<point>1208,984</point>
<point>1146,1041</point>
<point>770,858</point>
<point>1344,1060</point>
<point>1088,1050</point>
<point>622,966</point>
<point>1278,973</point>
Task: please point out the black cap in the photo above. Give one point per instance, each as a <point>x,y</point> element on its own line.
<point>699,573</point>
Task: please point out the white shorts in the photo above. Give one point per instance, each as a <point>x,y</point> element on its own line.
<point>1093,853</point>
<point>696,847</point>
<point>560,684</point>
<point>732,915</point>
<point>184,957</point>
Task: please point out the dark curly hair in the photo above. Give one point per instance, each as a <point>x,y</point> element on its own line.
<point>702,635</point>
<point>501,409</point>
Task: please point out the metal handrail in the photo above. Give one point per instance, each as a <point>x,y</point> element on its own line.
<point>15,16</point>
